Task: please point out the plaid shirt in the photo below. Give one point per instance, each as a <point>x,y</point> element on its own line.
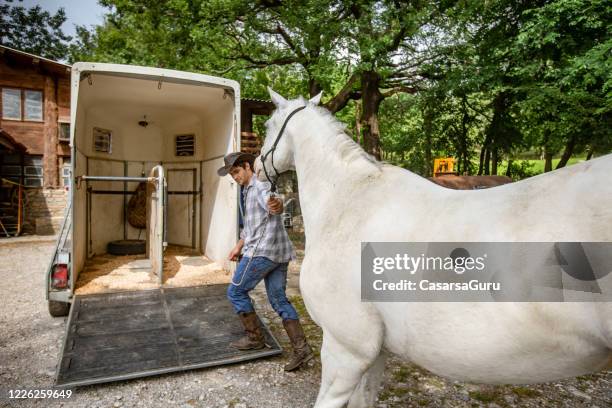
<point>275,244</point>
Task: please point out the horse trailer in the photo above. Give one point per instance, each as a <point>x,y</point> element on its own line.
<point>157,135</point>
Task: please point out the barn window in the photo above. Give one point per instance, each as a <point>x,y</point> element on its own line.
<point>33,106</point>
<point>33,171</point>
<point>185,145</point>
<point>66,172</point>
<point>102,139</point>
<point>11,103</point>
<point>64,132</point>
<point>22,104</point>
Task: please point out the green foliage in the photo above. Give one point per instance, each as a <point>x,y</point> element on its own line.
<point>521,169</point>
<point>564,74</point>
<point>479,81</point>
<point>33,30</point>
<point>543,68</point>
<point>146,32</point>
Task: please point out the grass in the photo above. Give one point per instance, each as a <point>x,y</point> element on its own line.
<point>537,166</point>
<point>233,402</point>
<point>529,167</point>
<point>485,395</point>
<point>388,394</point>
<point>402,375</point>
<point>525,392</point>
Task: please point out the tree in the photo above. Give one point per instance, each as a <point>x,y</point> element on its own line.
<point>566,74</point>
<point>361,50</point>
<point>540,72</point>
<point>350,49</point>
<point>144,32</point>
<point>483,67</point>
<point>34,30</point>
<point>477,79</point>
<point>185,35</point>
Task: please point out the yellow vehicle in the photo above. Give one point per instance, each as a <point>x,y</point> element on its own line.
<point>443,165</point>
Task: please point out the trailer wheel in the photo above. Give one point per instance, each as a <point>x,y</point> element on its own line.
<point>127,247</point>
<point>58,309</point>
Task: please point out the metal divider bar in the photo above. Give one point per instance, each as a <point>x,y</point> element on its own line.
<point>121,192</point>
<point>115,178</point>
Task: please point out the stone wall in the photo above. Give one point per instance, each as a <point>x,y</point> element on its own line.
<point>44,210</point>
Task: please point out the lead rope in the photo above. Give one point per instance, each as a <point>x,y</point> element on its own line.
<point>246,269</point>
<point>263,232</point>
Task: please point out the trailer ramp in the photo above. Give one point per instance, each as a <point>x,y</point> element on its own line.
<point>124,335</point>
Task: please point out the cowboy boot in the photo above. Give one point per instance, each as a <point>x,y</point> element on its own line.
<point>301,350</point>
<point>254,339</point>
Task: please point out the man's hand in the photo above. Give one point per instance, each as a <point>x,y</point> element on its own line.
<point>275,205</point>
<point>235,252</point>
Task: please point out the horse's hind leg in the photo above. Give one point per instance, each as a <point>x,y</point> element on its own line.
<point>342,371</point>
<point>366,392</point>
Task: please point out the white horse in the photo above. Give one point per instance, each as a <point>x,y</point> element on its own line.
<point>347,197</point>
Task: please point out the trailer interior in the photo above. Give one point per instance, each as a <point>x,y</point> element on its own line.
<point>126,126</point>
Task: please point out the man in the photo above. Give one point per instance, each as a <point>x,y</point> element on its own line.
<point>266,251</point>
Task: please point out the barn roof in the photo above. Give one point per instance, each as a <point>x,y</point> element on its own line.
<point>31,59</point>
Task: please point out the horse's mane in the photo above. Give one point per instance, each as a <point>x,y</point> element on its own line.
<point>347,148</point>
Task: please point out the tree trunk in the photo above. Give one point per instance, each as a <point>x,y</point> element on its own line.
<point>494,161</point>
<point>428,155</point>
<point>313,87</point>
<point>567,153</point>
<point>463,153</point>
<point>548,155</point>
<point>427,131</point>
<point>483,151</point>
<point>483,154</point>
<point>509,169</point>
<point>496,133</point>
<point>547,161</point>
<point>590,153</point>
<point>339,101</point>
<point>358,123</point>
<point>371,99</point>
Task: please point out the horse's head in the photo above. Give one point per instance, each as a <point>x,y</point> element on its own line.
<point>277,151</point>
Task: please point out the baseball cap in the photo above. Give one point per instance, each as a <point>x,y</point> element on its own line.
<point>232,158</point>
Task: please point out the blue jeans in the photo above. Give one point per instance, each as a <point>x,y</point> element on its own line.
<point>275,277</point>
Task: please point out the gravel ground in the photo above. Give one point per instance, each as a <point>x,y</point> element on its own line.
<point>30,342</point>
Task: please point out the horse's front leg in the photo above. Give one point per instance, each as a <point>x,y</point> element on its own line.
<point>352,333</point>
<point>346,372</point>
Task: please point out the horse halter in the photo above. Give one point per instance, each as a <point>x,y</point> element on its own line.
<point>273,148</point>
